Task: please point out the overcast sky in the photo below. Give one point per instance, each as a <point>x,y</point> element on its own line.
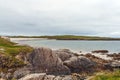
<point>52,17</point>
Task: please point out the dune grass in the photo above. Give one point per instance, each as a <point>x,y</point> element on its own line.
<point>8,52</point>
<point>10,48</point>
<point>107,75</point>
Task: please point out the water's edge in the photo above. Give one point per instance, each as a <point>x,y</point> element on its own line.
<point>74,45</point>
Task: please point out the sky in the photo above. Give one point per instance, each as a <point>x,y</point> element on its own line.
<point>60,17</point>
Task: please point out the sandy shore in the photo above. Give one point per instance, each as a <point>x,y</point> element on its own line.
<point>25,39</point>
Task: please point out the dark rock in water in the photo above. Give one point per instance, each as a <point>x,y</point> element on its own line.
<point>64,54</point>
<point>79,64</point>
<point>44,60</point>
<point>100,51</point>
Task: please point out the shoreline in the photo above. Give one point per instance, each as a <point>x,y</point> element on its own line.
<point>45,43</point>
<point>37,38</point>
<point>70,37</point>
<point>56,62</point>
<point>100,55</point>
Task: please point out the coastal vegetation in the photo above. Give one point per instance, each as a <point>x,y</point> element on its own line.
<point>8,51</point>
<point>68,37</point>
<point>12,49</point>
<point>106,75</point>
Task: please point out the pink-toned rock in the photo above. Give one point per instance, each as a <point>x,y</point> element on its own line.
<point>45,60</point>
<point>64,54</point>
<point>79,64</point>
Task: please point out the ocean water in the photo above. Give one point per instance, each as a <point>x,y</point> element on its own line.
<point>74,45</point>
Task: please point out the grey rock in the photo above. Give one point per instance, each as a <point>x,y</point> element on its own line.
<point>22,56</point>
<point>49,77</point>
<point>21,72</point>
<point>79,64</point>
<point>58,78</point>
<point>9,76</point>
<point>35,76</point>
<point>44,76</point>
<point>44,60</point>
<point>115,64</point>
<point>64,54</point>
<point>69,77</point>
<point>6,76</point>
<point>2,75</point>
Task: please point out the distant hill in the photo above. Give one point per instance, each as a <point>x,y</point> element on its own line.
<point>69,37</point>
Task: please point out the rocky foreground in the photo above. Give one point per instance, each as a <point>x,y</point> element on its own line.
<point>46,64</point>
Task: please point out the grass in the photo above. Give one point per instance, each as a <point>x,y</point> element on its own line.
<point>5,43</point>
<point>10,48</point>
<point>107,76</point>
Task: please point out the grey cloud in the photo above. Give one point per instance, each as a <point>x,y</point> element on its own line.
<point>42,17</point>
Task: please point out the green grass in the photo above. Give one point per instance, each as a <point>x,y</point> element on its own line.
<point>5,43</point>
<point>11,49</point>
<point>107,76</point>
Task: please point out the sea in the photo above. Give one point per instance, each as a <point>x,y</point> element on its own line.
<point>73,45</point>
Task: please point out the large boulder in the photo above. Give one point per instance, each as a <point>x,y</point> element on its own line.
<point>100,64</point>
<point>64,54</point>
<point>79,64</point>
<point>44,60</point>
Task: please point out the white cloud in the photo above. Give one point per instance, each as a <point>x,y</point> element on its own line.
<point>86,17</point>
<point>115,33</point>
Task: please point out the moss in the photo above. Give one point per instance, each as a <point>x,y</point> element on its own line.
<point>10,63</point>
